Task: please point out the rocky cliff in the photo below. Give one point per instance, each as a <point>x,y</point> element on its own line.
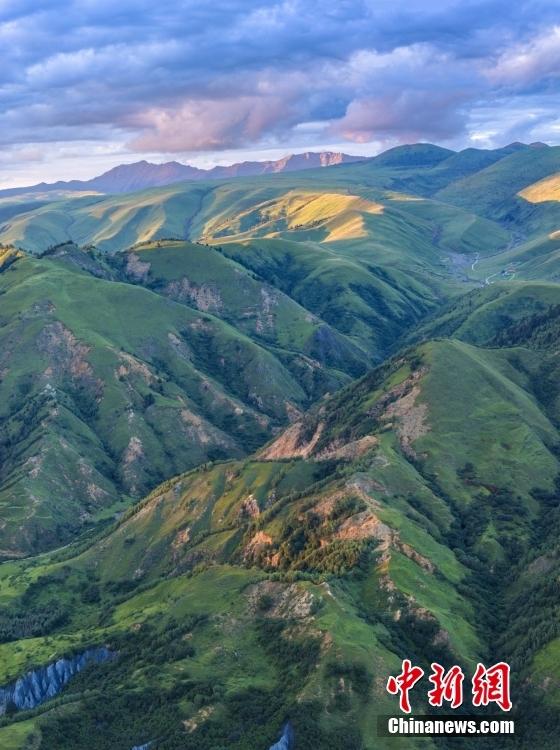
<point>38,685</point>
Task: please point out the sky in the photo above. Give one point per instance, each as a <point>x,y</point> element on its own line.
<point>88,84</point>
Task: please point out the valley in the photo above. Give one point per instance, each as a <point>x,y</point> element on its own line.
<point>261,438</point>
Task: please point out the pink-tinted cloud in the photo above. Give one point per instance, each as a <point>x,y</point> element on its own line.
<point>199,125</point>
<point>406,116</point>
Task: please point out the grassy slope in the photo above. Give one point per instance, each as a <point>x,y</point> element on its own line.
<point>491,188</point>
<point>112,223</point>
<point>482,204</point>
<point>340,202</point>
<point>538,210</point>
<point>201,277</point>
<point>316,313</point>
<point>478,316</point>
<point>347,542</point>
<point>428,488</point>
<point>109,387</point>
<point>368,303</point>
<point>208,506</point>
<point>525,316</point>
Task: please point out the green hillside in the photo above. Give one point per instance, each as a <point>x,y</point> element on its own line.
<point>337,393</point>
<point>347,202</point>
<point>479,316</point>
<point>108,387</point>
<point>283,586</point>
<point>492,186</point>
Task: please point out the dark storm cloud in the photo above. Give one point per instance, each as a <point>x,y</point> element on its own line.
<point>184,76</point>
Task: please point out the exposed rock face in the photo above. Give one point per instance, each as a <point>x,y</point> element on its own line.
<point>136,268</point>
<point>399,405</point>
<point>67,356</point>
<point>205,297</point>
<point>365,525</point>
<point>287,740</point>
<point>287,602</point>
<point>292,443</point>
<point>43,683</point>
<point>348,451</point>
<point>257,544</point>
<point>250,507</point>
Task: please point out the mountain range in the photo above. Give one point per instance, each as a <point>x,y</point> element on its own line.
<point>263,438</point>
<point>140,175</point>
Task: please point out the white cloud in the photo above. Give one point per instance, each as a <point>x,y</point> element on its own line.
<point>528,62</point>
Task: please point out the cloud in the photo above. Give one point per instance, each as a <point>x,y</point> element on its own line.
<point>408,116</point>
<point>202,125</point>
<point>534,61</point>
<point>192,76</point>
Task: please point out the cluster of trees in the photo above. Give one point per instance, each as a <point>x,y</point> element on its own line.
<point>539,331</point>
<point>31,622</point>
<point>118,710</point>
<point>301,544</point>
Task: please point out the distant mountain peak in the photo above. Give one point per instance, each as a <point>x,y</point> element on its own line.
<point>140,175</point>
